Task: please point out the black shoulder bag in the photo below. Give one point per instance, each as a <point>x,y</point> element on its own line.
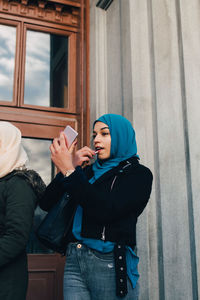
<point>55,228</point>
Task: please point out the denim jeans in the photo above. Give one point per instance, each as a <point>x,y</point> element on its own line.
<point>90,275</point>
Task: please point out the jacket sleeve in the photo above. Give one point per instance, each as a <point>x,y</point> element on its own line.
<point>20,204</point>
<point>52,193</point>
<point>130,194</point>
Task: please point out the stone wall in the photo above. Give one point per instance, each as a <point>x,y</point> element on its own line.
<point>144,64</point>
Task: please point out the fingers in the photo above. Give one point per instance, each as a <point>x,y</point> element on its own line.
<point>66,141</point>
<point>86,151</point>
<point>83,156</point>
<point>52,149</point>
<point>60,152</point>
<point>62,140</point>
<point>55,146</point>
<point>58,144</point>
<point>73,145</point>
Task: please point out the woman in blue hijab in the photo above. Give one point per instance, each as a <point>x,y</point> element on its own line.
<point>109,194</point>
<point>123,143</point>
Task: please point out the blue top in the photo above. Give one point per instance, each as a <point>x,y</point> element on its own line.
<point>123,146</point>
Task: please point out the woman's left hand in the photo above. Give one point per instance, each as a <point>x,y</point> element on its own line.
<point>61,155</point>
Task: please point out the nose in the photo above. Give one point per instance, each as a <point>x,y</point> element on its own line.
<point>97,138</point>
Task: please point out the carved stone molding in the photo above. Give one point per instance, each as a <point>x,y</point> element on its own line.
<point>43,10</point>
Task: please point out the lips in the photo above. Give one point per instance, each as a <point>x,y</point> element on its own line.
<point>97,149</point>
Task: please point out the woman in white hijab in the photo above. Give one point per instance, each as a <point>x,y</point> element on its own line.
<point>19,191</point>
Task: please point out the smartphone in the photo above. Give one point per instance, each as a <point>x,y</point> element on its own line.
<point>71,134</point>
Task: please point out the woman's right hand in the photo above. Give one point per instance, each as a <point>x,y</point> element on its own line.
<point>83,156</point>
<point>61,155</point>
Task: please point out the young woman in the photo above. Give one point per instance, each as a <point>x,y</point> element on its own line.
<point>19,191</point>
<point>110,195</point>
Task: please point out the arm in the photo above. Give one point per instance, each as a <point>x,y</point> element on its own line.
<point>64,161</point>
<point>130,194</point>
<point>52,193</point>
<point>20,205</point>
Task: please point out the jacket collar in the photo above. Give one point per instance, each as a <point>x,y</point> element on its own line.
<point>124,166</point>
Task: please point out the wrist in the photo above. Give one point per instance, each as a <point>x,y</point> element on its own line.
<point>67,167</point>
<point>68,172</point>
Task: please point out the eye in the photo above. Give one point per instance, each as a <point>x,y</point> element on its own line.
<point>93,136</point>
<point>105,133</point>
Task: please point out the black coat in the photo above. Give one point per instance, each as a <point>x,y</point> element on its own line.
<point>19,191</point>
<point>17,204</point>
<point>113,212</point>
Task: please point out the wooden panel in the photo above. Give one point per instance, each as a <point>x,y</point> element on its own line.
<point>41,286</point>
<point>41,22</point>
<point>69,16</point>
<point>76,3</point>
<point>36,116</point>
<point>45,276</point>
<point>39,131</point>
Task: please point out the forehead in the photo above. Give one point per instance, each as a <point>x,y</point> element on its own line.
<point>99,125</point>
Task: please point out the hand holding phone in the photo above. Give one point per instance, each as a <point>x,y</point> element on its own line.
<point>71,134</point>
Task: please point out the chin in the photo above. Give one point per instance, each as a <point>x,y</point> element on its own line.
<point>103,158</point>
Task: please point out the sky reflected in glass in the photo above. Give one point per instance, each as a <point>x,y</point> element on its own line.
<point>46,69</point>
<point>37,69</point>
<point>7,61</point>
<point>40,161</point>
<point>39,157</point>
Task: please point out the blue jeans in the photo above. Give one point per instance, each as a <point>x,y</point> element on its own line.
<point>90,275</point>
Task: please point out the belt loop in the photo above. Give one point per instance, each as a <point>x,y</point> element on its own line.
<point>120,270</point>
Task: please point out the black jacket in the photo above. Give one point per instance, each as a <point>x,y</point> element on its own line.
<point>18,197</point>
<point>113,212</point>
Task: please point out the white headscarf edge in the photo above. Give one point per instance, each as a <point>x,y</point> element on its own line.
<point>12,153</point>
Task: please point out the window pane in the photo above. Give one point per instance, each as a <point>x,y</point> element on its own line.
<point>46,70</point>
<point>39,160</point>
<point>7,61</point>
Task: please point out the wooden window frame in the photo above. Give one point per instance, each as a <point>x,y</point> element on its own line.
<point>72,54</point>
<point>77,23</point>
<point>42,131</point>
<point>17,25</point>
<point>19,70</point>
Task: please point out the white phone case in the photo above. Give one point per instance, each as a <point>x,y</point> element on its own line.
<point>71,134</point>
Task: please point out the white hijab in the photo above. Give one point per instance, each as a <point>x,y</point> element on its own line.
<point>12,153</point>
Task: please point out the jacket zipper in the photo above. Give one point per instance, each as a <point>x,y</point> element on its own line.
<point>103,237</point>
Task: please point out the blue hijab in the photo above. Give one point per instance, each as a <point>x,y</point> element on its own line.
<point>123,144</point>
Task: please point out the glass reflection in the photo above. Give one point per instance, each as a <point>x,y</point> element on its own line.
<point>46,69</point>
<point>40,161</point>
<point>7,61</point>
